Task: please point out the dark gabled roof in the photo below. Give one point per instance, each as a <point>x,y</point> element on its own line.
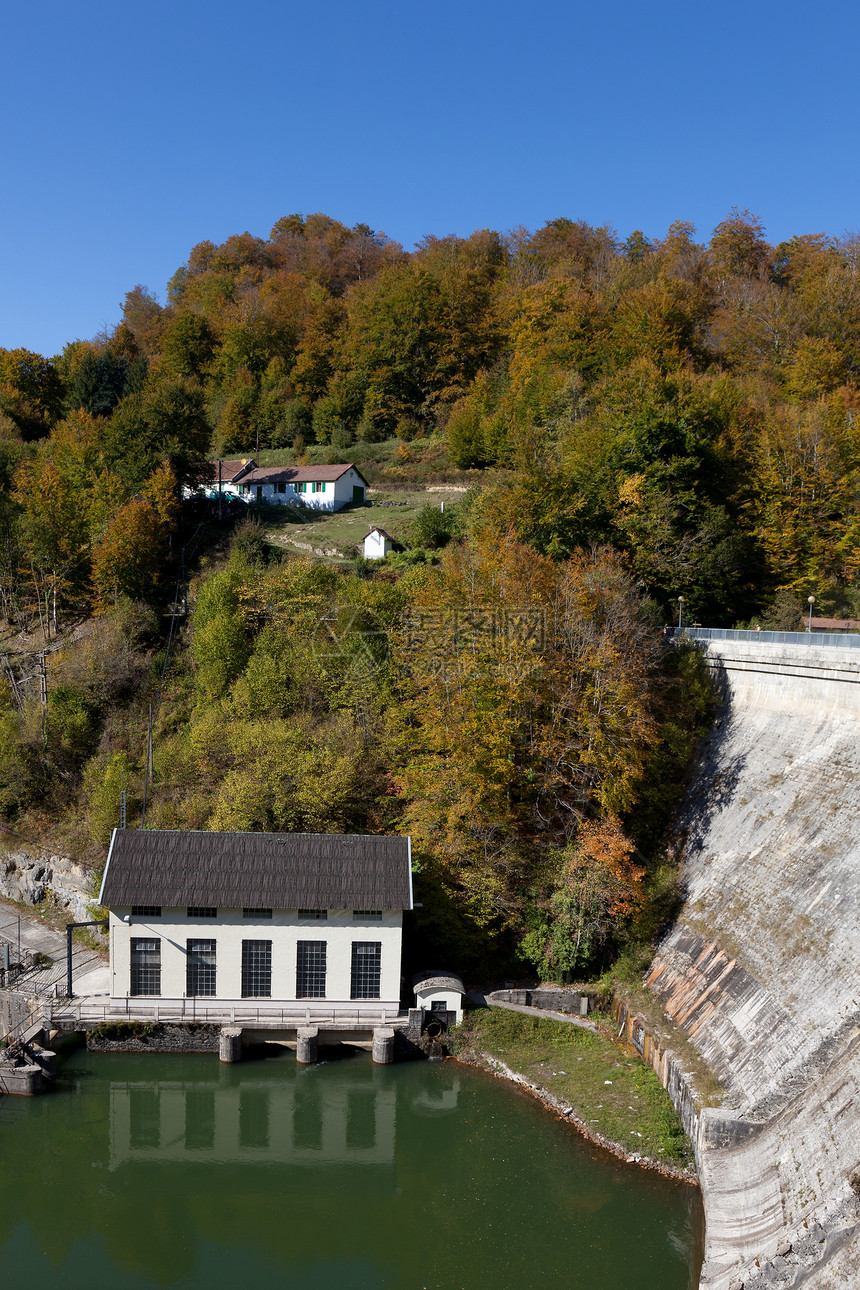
<point>300,474</point>
<point>173,868</point>
<point>374,528</point>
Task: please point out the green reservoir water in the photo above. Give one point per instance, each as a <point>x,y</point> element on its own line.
<point>148,1171</point>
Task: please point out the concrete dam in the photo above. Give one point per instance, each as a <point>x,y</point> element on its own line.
<point>761,971</point>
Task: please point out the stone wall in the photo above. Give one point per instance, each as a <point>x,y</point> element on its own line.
<point>761,973</point>
<point>136,1037</point>
<point>553,999</point>
<point>15,1011</point>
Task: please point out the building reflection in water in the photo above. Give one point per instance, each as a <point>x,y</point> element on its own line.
<point>250,1118</point>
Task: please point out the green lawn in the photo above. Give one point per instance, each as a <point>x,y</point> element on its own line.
<point>614,1094</point>
<point>343,531</point>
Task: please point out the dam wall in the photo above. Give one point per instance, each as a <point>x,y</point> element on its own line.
<point>762,969</point>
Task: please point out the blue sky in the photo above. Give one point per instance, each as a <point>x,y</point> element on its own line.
<point>132,132</point>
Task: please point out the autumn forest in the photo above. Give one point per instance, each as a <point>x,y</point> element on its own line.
<point>619,422</point>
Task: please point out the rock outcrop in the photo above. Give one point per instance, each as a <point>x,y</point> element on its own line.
<point>761,970</point>
<point>32,876</point>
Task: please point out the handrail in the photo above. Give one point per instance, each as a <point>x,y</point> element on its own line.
<point>289,1018</point>
<point>829,640</point>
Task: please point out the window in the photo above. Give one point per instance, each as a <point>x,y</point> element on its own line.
<point>307,1120</point>
<point>146,911</point>
<point>144,1128</point>
<point>310,970</point>
<point>360,1120</point>
<point>199,968</point>
<point>256,969</point>
<point>254,1118</point>
<point>199,1120</point>
<point>282,488</point>
<point>366,969</point>
<point>361,915</point>
<point>145,966</point>
<point>201,911</point>
<point>253,911</point>
<point>312,915</point>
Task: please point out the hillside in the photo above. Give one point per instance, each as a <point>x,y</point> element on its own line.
<point>690,403</point>
<point>640,428</point>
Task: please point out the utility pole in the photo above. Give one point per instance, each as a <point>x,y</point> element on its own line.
<point>146,773</point>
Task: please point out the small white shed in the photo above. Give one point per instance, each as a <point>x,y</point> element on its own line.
<point>377,544</point>
<point>439,992</point>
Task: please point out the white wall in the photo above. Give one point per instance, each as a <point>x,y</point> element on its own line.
<point>452,999</point>
<point>376,546</point>
<point>333,495</point>
<point>284,930</point>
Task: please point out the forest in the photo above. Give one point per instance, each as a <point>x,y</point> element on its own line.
<point>631,421</point>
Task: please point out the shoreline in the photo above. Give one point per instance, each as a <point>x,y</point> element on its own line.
<point>495,1066</point>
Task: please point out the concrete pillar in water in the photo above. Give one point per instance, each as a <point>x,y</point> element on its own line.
<point>306,1044</point>
<point>45,1059</point>
<point>230,1044</point>
<point>383,1045</point>
<point>22,1080</point>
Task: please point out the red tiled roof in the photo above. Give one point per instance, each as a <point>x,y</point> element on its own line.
<point>374,528</point>
<point>300,474</point>
<point>833,624</point>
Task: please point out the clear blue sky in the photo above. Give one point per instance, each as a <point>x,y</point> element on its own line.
<point>134,131</point>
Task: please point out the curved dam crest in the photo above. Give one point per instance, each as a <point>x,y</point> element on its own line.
<point>761,969</point>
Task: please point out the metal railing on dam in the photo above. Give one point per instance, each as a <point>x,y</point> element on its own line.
<point>840,640</point>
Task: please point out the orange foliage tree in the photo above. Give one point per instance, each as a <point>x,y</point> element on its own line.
<point>129,553</point>
<point>600,888</point>
<point>529,705</point>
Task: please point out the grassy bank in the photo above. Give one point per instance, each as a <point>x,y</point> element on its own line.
<point>614,1095</point>
<point>344,530</point>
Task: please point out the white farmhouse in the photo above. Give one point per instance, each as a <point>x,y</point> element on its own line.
<point>378,543</point>
<point>284,919</point>
<point>323,488</point>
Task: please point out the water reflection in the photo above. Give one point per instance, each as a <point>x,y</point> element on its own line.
<point>423,1174</point>
<point>253,1120</point>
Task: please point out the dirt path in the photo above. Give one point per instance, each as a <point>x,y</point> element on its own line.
<point>484,1001</point>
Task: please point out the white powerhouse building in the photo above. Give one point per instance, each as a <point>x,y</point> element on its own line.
<point>288,917</point>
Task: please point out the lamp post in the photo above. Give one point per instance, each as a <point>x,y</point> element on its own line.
<point>811,601</point>
<point>680,611</point>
